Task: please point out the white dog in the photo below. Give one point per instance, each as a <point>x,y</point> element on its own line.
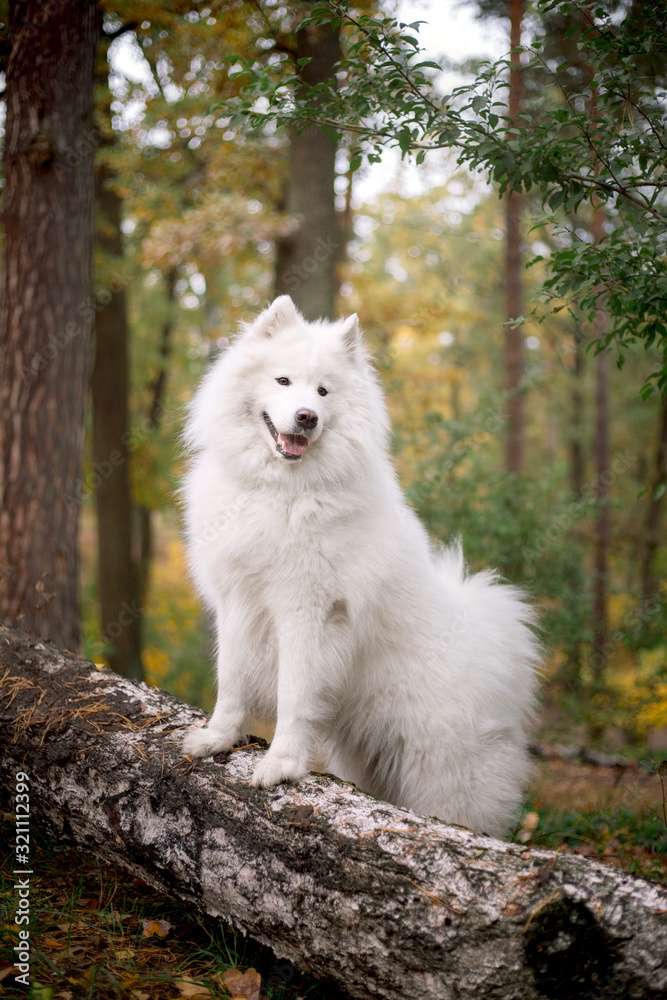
<point>375,654</point>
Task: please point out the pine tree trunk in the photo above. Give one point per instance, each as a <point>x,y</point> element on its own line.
<point>577,462</point>
<point>514,348</point>
<point>157,391</point>
<point>652,526</point>
<point>47,310</point>
<point>306,258</point>
<point>602,515</point>
<point>572,669</point>
<point>117,584</point>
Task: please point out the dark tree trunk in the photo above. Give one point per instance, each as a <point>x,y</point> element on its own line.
<point>602,515</point>
<point>577,461</point>
<point>514,348</point>
<point>157,391</point>
<point>117,584</point>
<point>572,669</point>
<point>389,904</point>
<point>47,310</point>
<point>652,525</point>
<point>307,257</point>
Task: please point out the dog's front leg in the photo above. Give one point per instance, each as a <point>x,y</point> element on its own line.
<point>312,656</point>
<point>235,648</point>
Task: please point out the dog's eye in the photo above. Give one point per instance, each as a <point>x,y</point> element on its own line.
<point>322,391</point>
<point>283,380</point>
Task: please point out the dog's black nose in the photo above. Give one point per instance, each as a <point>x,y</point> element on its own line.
<point>306,419</point>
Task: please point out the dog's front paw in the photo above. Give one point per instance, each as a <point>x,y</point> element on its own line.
<point>276,767</point>
<point>203,741</point>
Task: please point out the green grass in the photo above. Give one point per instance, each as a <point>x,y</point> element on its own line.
<point>637,843</point>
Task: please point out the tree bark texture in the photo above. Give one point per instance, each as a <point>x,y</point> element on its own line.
<point>307,256</point>
<point>387,903</point>
<point>117,583</point>
<point>514,347</point>
<point>47,310</point>
<point>602,539</point>
<point>157,390</point>
<point>650,583</point>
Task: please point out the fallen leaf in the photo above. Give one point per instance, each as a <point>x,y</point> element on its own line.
<point>529,825</point>
<point>52,942</point>
<point>241,985</point>
<point>189,988</point>
<point>124,953</point>
<point>155,928</point>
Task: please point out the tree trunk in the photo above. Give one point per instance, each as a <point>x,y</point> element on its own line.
<point>652,537</point>
<point>117,584</point>
<point>47,310</point>
<point>577,461</point>
<point>157,391</point>
<point>602,483</point>
<point>306,258</point>
<point>572,668</point>
<point>389,904</point>
<point>514,347</point>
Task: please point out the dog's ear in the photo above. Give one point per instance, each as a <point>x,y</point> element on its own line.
<point>351,333</point>
<point>281,312</point>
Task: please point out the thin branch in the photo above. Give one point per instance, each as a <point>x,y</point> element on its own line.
<point>394,62</point>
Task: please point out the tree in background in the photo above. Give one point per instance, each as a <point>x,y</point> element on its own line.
<point>387,99</point>
<point>514,337</point>
<point>650,580</point>
<point>47,310</point>
<point>117,577</point>
<point>307,254</point>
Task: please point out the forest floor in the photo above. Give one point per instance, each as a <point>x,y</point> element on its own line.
<point>100,934</point>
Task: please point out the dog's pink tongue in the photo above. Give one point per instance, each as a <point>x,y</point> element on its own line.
<point>292,444</point>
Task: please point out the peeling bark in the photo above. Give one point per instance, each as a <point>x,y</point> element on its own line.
<point>387,903</point>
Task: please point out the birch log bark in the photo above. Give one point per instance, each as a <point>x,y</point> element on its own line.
<point>387,903</point>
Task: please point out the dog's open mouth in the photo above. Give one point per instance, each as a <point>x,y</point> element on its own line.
<point>290,446</point>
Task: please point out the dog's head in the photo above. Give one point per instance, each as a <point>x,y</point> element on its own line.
<point>292,393</point>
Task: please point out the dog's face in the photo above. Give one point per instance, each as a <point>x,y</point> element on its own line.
<point>291,399</point>
<point>300,385</point>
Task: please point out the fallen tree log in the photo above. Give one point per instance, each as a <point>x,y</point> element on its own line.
<point>387,903</point>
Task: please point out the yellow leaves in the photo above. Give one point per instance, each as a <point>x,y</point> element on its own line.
<point>654,715</point>
<point>404,338</point>
<point>156,664</point>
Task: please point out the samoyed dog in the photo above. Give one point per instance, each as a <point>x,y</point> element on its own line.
<point>375,654</point>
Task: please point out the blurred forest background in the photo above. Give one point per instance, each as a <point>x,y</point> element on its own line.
<point>498,225</point>
<point>498,221</point>
<point>201,220</point>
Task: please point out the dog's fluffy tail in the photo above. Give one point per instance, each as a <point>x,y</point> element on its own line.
<point>450,560</point>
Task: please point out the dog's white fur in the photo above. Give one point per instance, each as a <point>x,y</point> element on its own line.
<point>376,654</point>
